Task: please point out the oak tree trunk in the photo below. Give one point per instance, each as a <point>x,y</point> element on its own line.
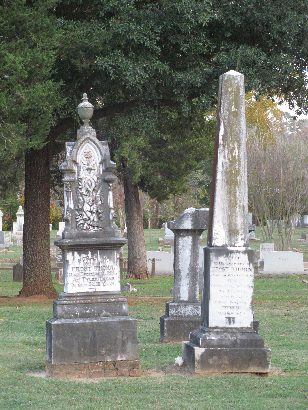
<point>137,263</point>
<point>36,237</point>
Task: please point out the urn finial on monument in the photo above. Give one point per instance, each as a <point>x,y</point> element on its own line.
<point>85,110</point>
<point>227,340</point>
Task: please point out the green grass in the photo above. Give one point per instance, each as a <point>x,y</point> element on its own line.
<point>280,305</point>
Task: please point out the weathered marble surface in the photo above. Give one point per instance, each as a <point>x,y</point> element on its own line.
<point>91,333</point>
<point>228,224</point>
<point>227,340</point>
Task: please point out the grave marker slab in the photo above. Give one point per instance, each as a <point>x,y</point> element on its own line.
<point>283,262</point>
<point>18,272</point>
<point>266,247</point>
<point>226,341</point>
<point>163,262</point>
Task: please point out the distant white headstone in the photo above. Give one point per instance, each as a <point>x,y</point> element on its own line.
<point>283,262</point>
<point>266,247</point>
<point>163,262</point>
<point>168,233</point>
<point>19,219</point>
<point>61,228</point>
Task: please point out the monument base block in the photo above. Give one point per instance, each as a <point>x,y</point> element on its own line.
<point>126,368</point>
<point>226,351</point>
<point>180,319</point>
<point>177,329</point>
<point>91,336</point>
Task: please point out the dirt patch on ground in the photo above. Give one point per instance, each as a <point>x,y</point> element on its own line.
<point>18,300</point>
<point>168,371</point>
<point>135,300</point>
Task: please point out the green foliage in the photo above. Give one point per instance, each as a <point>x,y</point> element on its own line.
<point>55,215</point>
<point>29,96</point>
<point>152,70</point>
<point>9,205</point>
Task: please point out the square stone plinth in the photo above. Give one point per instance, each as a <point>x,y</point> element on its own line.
<point>180,319</point>
<point>105,346</point>
<point>177,329</point>
<point>226,351</point>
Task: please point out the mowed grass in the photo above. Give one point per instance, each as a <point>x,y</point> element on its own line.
<point>280,305</point>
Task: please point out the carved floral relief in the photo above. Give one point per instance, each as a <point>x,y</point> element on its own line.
<point>89,210</point>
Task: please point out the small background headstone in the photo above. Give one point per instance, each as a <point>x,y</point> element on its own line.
<point>283,262</point>
<point>266,247</point>
<point>163,262</point>
<point>18,272</point>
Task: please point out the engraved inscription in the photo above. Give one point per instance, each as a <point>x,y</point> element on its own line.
<point>92,271</point>
<point>231,287</point>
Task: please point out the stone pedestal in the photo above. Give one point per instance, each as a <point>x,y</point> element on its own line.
<point>226,351</point>
<point>183,314</point>
<point>227,340</point>
<point>91,334</point>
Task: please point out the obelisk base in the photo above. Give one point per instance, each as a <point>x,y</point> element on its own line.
<point>180,319</point>
<point>91,336</point>
<point>226,350</point>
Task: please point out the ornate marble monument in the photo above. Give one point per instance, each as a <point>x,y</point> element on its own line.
<point>227,340</point>
<point>91,334</point>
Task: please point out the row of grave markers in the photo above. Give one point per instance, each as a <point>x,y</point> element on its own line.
<point>91,332</point>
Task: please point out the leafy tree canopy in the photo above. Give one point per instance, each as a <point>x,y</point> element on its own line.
<point>29,95</point>
<point>150,67</point>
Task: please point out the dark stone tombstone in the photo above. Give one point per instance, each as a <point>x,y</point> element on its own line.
<point>18,272</point>
<point>227,340</point>
<point>183,313</point>
<point>91,334</point>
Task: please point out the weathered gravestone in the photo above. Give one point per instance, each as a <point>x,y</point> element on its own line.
<point>18,272</point>
<point>266,247</point>
<point>163,262</point>
<point>283,262</point>
<point>169,235</point>
<point>19,224</point>
<point>183,314</point>
<point>91,334</point>
<point>226,341</point>
<point>61,229</point>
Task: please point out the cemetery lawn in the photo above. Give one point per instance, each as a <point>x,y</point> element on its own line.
<point>280,305</point>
